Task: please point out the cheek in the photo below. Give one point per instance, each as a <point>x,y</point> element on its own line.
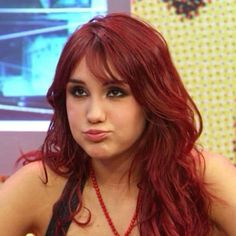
<point>132,120</point>
<point>140,123</point>
<point>70,115</point>
<point>73,116</point>
<point>74,124</point>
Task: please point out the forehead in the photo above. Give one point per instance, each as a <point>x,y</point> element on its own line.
<point>98,71</point>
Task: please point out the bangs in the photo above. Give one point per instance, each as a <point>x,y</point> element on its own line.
<point>100,63</point>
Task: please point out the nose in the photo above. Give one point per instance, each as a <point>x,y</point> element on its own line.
<point>95,111</point>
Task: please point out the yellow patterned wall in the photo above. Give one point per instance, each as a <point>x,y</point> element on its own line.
<point>204,50</point>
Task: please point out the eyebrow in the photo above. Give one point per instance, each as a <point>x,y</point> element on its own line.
<point>105,83</point>
<point>76,81</point>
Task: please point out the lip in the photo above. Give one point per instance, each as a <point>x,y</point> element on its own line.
<point>95,135</point>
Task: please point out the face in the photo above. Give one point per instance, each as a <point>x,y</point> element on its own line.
<point>104,118</point>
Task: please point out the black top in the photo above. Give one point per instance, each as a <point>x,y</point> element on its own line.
<point>60,222</point>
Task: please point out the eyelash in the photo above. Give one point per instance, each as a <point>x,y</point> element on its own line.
<point>77,91</point>
<point>113,92</point>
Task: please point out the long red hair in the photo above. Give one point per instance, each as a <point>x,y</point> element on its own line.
<point>174,199</point>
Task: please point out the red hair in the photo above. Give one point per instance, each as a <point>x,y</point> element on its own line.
<point>174,197</point>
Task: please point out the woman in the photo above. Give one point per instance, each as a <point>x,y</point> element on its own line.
<point>120,155</point>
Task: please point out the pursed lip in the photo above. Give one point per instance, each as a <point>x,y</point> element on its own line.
<point>95,135</point>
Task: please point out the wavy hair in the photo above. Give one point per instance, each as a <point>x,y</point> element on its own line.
<point>174,199</point>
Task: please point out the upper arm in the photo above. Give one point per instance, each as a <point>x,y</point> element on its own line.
<point>18,199</point>
<point>220,176</point>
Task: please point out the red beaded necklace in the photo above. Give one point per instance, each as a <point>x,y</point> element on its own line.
<point>104,209</point>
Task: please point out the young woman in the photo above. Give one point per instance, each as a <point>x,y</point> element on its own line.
<point>120,155</point>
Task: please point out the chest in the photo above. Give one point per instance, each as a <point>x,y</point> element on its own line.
<point>98,228</point>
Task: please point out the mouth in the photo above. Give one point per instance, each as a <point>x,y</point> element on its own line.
<point>95,135</point>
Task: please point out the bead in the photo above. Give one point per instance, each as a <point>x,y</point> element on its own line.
<point>105,211</point>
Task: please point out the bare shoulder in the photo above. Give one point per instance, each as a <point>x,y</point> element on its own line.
<point>215,162</point>
<point>31,176</point>
<point>25,199</point>
<point>220,178</point>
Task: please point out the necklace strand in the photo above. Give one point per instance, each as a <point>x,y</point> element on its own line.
<point>105,211</point>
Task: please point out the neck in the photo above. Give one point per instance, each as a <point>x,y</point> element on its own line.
<point>113,200</point>
<point>114,173</point>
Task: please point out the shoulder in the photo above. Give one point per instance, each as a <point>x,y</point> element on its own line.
<point>215,160</point>
<point>220,179</point>
<point>220,173</point>
<point>23,195</point>
<point>31,176</point>
<point>24,180</point>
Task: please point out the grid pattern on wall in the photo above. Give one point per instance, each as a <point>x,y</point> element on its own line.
<point>203,47</point>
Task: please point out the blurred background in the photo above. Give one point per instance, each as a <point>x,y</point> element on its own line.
<point>202,40</point>
<point>200,35</point>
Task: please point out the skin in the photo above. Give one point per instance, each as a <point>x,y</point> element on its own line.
<point>105,106</point>
<point>26,202</point>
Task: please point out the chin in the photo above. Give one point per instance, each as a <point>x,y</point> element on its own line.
<point>98,155</point>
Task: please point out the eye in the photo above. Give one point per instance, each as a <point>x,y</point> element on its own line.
<point>78,91</point>
<point>116,92</point>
